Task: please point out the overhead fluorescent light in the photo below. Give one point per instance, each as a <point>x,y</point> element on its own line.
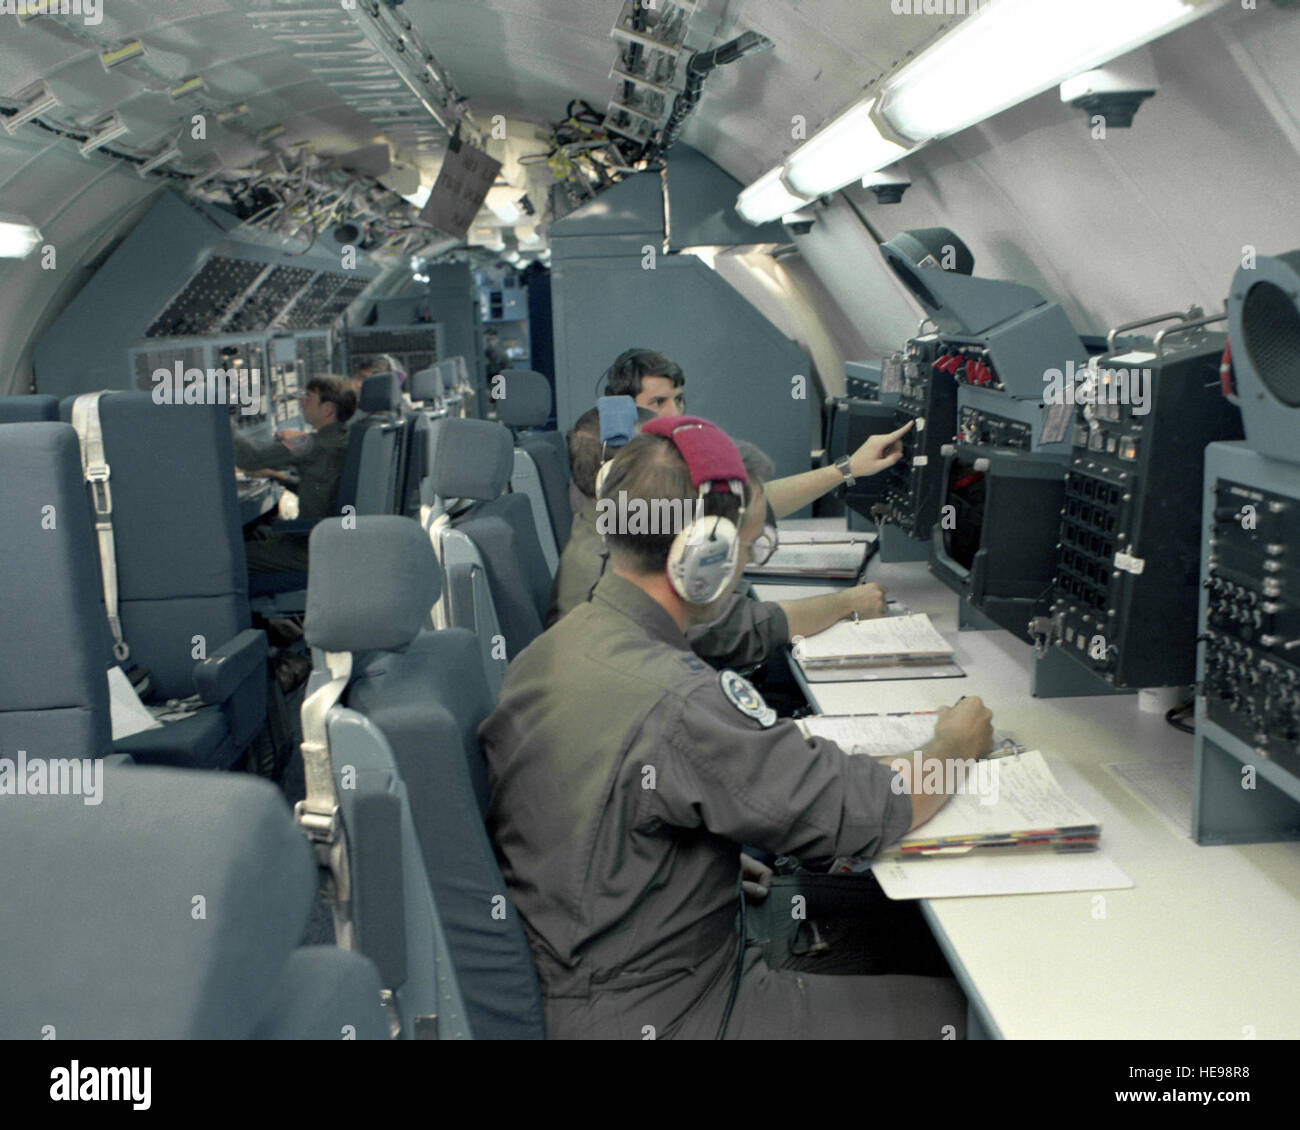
<point>119,55</point>
<point>270,132</point>
<point>18,238</point>
<point>767,199</point>
<point>1019,48</point>
<point>36,100</point>
<point>189,86</point>
<point>843,151</point>
<point>233,112</point>
<point>102,133</point>
<point>169,153</point>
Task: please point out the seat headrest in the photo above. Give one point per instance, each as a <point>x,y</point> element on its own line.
<point>380,393</point>
<point>371,583</point>
<point>427,384</point>
<point>527,399</point>
<point>28,409</point>
<point>617,420</point>
<point>473,459</point>
<point>198,886</point>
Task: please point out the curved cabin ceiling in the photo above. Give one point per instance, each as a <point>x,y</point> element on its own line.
<point>1229,85</point>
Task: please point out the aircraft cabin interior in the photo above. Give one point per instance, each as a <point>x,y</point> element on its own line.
<point>649,519</point>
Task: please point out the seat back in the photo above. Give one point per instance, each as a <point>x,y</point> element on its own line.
<point>526,480</point>
<point>181,576</point>
<point>489,550</point>
<point>53,637</point>
<point>425,695</point>
<point>372,471</point>
<point>523,406</point>
<point>198,887</point>
<point>28,409</point>
<point>551,458</point>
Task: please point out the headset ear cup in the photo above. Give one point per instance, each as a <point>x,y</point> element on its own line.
<point>702,559</point>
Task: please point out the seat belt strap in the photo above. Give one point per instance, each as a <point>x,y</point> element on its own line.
<point>318,813</point>
<point>85,419</point>
<point>437,528</point>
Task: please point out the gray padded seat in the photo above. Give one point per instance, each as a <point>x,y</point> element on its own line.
<point>372,472</point>
<point>181,574</point>
<point>28,409</point>
<point>473,460</point>
<point>53,635</point>
<point>426,692</point>
<point>170,910</point>
<point>525,408</point>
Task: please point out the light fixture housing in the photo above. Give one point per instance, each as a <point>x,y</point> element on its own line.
<point>18,238</point>
<point>189,86</point>
<point>1020,48</point>
<point>844,151</point>
<point>36,100</point>
<point>768,198</point>
<point>167,153</point>
<point>104,131</point>
<point>119,55</point>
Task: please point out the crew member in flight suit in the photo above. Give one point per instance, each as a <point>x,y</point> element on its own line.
<point>327,405</point>
<point>747,630</point>
<point>624,774</point>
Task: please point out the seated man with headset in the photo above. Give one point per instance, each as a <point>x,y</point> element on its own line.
<point>747,630</point>
<point>625,772</point>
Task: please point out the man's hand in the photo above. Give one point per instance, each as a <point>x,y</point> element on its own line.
<point>879,452</point>
<point>755,878</point>
<point>867,601</point>
<point>964,730</point>
<point>961,732</point>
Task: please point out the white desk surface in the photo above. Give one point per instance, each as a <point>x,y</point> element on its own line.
<point>1206,945</point>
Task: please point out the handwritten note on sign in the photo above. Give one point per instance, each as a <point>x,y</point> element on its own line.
<point>463,182</point>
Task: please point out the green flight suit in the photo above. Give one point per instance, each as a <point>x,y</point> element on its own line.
<point>742,637</point>
<point>319,466</point>
<point>623,778</point>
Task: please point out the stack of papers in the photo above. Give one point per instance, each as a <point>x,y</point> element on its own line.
<point>885,641</point>
<point>885,735</point>
<point>807,553</point>
<point>1011,805</point>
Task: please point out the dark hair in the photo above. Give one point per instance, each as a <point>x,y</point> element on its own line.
<point>649,469</point>
<point>587,453</point>
<point>624,376</point>
<point>757,464</point>
<point>584,452</point>
<point>335,391</point>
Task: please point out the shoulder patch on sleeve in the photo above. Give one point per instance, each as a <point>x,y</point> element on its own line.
<point>741,694</point>
<point>694,664</point>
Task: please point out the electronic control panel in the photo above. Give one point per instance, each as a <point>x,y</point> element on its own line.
<point>1251,632</point>
<point>1127,560</point>
<point>926,395</point>
<point>987,429</point>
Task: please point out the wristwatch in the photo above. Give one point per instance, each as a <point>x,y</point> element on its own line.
<point>842,466</point>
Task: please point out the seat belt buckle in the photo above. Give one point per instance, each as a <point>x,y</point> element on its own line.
<point>321,827</point>
<point>97,476</point>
